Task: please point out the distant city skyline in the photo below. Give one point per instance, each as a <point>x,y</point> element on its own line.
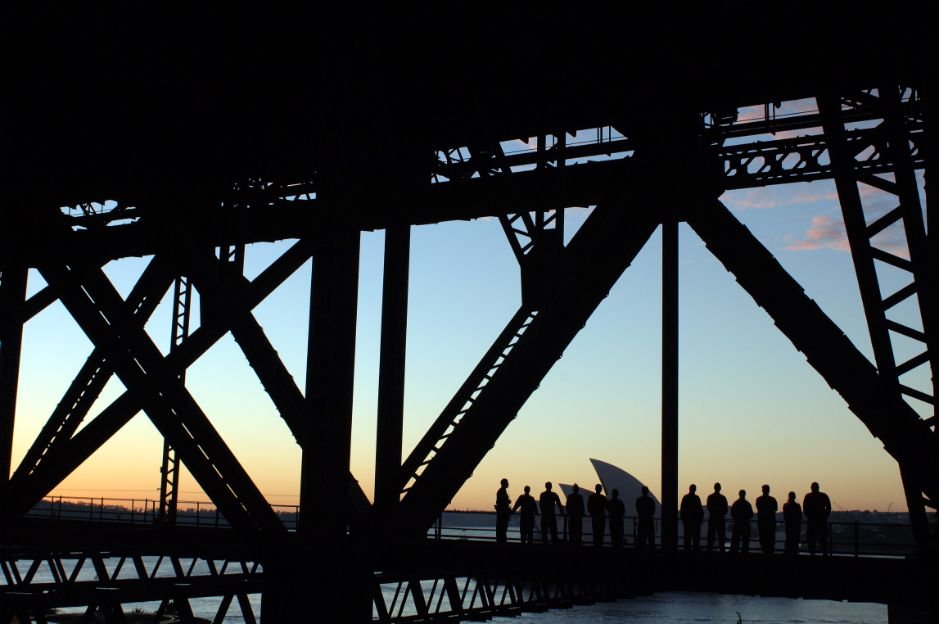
<point>752,411</point>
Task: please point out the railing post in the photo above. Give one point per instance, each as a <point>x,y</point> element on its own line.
<point>197,512</point>
<point>216,517</point>
<point>133,503</point>
<point>856,545</point>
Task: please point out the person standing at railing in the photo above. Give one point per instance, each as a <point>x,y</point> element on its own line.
<point>645,509</point>
<point>596,507</point>
<point>792,515</point>
<point>549,502</point>
<point>817,507</point>
<point>691,514</point>
<point>575,515</point>
<point>717,512</point>
<point>503,511</point>
<point>741,512</point>
<point>617,510</point>
<point>766,507</point>
<point>525,504</point>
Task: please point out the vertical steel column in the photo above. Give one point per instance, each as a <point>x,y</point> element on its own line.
<point>394,325</point>
<point>931,178</point>
<point>849,196</point>
<point>329,384</point>
<point>169,471</point>
<point>929,94</point>
<point>924,272</point>
<point>864,253</point>
<point>669,501</point>
<point>12,298</point>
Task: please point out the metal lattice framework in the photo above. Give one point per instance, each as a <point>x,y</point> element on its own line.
<point>529,132</point>
<point>34,583</point>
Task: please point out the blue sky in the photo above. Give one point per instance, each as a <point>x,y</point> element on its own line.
<point>751,410</point>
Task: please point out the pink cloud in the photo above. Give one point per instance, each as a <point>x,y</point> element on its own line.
<point>823,233</point>
<point>829,233</point>
<point>761,198</point>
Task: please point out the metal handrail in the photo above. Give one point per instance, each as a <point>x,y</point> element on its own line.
<point>853,538</point>
<point>143,512</point>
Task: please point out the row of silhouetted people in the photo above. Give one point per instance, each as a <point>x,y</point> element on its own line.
<point>597,506</point>
<point>816,507</point>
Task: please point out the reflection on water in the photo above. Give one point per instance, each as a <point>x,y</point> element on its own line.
<point>664,608</point>
<point>681,608</point>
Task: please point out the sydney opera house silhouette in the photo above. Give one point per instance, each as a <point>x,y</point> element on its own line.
<point>612,477</point>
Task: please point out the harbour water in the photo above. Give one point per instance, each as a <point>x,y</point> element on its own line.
<point>664,608</point>
<point>687,608</point>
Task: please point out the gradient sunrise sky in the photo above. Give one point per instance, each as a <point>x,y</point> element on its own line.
<point>752,411</point>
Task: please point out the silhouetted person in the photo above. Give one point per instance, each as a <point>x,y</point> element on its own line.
<point>645,509</point>
<point>526,521</point>
<point>617,509</point>
<point>792,515</point>
<point>575,515</point>
<point>717,513</point>
<point>549,501</point>
<point>741,512</point>
<point>766,508</point>
<point>503,511</point>
<point>817,507</point>
<point>596,507</point>
<point>691,514</point>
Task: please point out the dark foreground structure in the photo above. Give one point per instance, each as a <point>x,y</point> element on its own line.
<point>140,131</point>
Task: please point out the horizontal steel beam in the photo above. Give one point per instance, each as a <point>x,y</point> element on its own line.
<point>292,216</point>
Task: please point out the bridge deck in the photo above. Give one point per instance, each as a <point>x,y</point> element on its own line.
<point>598,572</point>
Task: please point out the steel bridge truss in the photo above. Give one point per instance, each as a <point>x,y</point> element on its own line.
<point>883,143</point>
<point>455,597</point>
<point>873,139</point>
<point>108,585</point>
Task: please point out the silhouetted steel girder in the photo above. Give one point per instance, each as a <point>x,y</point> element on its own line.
<point>849,197</point>
<point>12,297</point>
<point>872,398</point>
<point>95,373</point>
<point>38,302</point>
<point>924,271</point>
<point>487,162</point>
<point>101,313</point>
<point>227,289</point>
<point>170,465</point>
<point>908,214</point>
<point>62,461</point>
<point>392,361</point>
<point>869,396</point>
<point>601,250</point>
<point>119,412</point>
<point>184,113</point>
<point>738,159</point>
<point>29,595</point>
<point>522,191</point>
<point>329,384</point>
